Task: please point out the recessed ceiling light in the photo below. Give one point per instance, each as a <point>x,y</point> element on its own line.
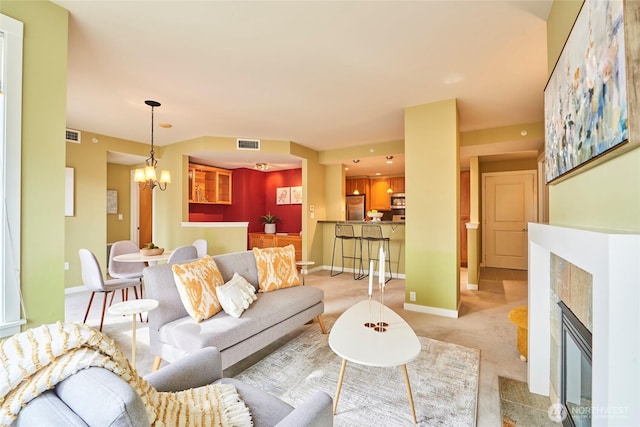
<point>523,132</point>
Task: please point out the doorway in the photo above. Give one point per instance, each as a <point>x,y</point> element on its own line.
<point>141,213</point>
<point>508,204</point>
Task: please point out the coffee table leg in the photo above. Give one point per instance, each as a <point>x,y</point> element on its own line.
<point>406,381</point>
<point>340,378</point>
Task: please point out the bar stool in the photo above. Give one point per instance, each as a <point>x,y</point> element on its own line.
<point>345,232</point>
<point>373,233</point>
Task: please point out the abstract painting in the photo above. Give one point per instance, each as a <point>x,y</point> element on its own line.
<point>585,100</point>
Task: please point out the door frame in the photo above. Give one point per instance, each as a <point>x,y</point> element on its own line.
<point>134,211</point>
<point>532,172</point>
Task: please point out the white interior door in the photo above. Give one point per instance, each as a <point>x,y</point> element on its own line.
<point>509,204</point>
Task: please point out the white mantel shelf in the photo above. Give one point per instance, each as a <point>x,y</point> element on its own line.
<point>613,260</point>
<point>216,224</point>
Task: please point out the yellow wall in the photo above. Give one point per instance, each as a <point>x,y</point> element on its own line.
<point>44,91</point>
<point>119,179</point>
<point>506,134</point>
<point>607,195</point>
<point>88,227</point>
<point>432,174</point>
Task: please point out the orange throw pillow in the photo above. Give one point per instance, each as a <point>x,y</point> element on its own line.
<point>196,282</point>
<point>276,268</point>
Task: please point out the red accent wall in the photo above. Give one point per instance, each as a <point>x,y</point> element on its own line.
<point>291,214</point>
<point>254,195</point>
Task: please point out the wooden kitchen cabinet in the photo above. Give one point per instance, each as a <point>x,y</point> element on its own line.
<point>360,184</point>
<point>209,185</point>
<point>397,184</point>
<point>263,240</point>
<point>380,199</point>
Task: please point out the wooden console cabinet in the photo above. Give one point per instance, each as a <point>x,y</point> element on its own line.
<point>263,240</point>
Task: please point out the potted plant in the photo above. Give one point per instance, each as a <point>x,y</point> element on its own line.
<point>269,223</point>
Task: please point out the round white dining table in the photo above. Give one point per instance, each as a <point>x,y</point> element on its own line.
<point>138,257</point>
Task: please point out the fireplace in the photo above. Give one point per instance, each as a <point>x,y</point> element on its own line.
<point>610,257</point>
<point>575,370</point>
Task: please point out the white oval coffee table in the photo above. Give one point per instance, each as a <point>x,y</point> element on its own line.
<point>354,342</point>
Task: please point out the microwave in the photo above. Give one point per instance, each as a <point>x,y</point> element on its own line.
<point>397,201</point>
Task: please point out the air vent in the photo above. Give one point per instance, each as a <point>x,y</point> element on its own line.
<point>248,144</point>
<point>72,136</point>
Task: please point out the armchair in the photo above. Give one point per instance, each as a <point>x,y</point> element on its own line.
<point>96,396</point>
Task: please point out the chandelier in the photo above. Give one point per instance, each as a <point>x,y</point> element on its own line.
<point>148,174</point>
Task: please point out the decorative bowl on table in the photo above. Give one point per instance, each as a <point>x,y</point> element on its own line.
<point>151,252</point>
<point>375,216</point>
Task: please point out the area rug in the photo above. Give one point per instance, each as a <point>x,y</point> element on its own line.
<point>444,382</point>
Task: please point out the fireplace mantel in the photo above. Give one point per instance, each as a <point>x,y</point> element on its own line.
<point>613,259</point>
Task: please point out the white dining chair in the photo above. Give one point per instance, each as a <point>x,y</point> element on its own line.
<point>125,270</point>
<point>95,282</point>
<point>183,253</point>
<point>202,246</point>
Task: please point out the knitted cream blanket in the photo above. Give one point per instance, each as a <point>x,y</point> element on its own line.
<point>36,360</point>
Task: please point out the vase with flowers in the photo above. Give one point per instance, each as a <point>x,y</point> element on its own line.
<point>269,223</point>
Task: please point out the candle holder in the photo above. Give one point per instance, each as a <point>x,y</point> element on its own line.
<point>381,326</point>
<point>369,324</point>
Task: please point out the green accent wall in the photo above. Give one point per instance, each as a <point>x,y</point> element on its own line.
<point>608,194</point>
<point>432,181</point>
<point>44,93</point>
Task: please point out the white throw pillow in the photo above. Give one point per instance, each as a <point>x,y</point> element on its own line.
<point>236,295</point>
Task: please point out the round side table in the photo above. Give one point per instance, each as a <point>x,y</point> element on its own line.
<point>132,308</point>
<point>303,264</point>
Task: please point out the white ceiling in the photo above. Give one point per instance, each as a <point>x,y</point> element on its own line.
<point>324,74</point>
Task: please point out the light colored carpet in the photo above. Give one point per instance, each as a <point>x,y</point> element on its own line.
<point>444,382</point>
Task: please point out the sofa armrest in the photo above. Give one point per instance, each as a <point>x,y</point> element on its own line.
<point>316,411</point>
<point>197,369</point>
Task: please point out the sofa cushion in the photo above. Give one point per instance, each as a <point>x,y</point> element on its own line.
<point>276,268</point>
<point>120,405</point>
<point>196,282</point>
<point>236,295</point>
<point>223,331</point>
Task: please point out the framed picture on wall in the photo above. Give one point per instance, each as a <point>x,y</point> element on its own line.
<point>296,195</point>
<point>585,100</point>
<point>283,196</point>
<point>112,201</point>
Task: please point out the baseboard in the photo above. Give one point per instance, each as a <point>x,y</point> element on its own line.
<point>350,270</point>
<point>75,290</point>
<point>433,310</point>
<point>472,286</point>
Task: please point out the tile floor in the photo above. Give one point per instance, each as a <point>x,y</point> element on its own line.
<point>482,324</point>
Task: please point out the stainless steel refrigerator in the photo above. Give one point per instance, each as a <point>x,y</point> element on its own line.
<point>355,207</point>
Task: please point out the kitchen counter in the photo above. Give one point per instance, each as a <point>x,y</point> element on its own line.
<point>329,221</point>
<point>394,230</point>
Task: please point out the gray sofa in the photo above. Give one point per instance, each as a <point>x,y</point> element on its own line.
<point>98,397</point>
<point>173,333</point>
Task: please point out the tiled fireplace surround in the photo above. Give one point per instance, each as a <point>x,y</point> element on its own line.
<point>563,264</point>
